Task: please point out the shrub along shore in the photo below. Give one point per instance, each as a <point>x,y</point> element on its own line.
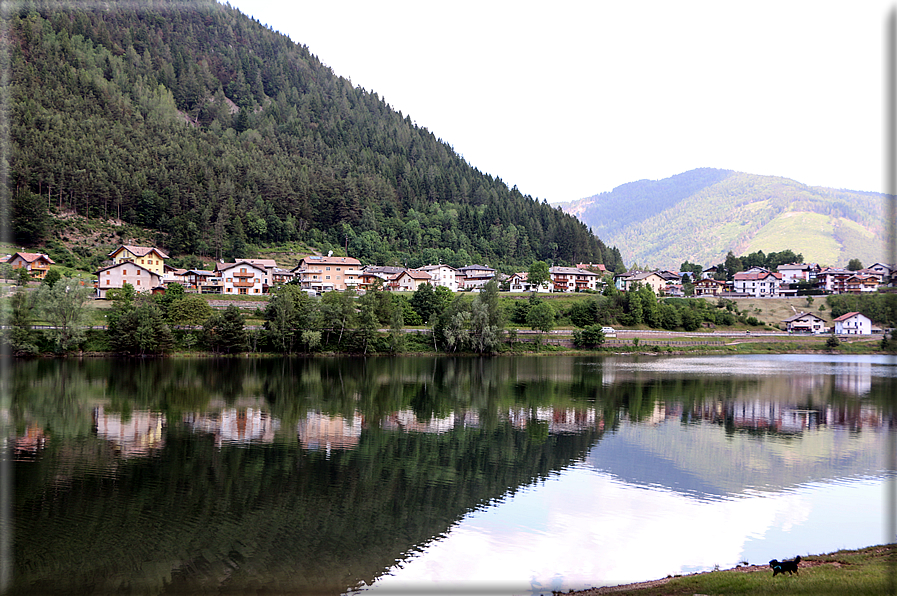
<point>61,318</point>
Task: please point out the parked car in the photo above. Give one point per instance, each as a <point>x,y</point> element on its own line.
<point>608,332</point>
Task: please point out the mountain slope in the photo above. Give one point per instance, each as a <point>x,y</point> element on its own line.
<point>219,133</point>
<point>701,215</point>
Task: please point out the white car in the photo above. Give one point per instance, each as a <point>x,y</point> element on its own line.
<point>608,331</point>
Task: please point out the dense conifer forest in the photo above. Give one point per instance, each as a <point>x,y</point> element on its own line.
<point>222,135</point>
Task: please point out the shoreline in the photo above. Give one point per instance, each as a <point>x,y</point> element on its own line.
<point>832,560</point>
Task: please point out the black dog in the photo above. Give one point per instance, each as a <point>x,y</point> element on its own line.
<point>783,566</point>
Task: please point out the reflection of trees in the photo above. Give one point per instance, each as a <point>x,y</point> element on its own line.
<point>232,517</point>
<point>226,516</point>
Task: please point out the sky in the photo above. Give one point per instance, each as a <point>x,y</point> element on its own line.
<point>569,99</point>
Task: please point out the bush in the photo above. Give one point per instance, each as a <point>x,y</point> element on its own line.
<point>590,337</point>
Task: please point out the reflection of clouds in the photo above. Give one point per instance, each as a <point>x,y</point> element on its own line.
<point>590,530</point>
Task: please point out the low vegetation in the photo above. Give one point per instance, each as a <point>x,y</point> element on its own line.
<point>869,571</point>
<point>45,319</point>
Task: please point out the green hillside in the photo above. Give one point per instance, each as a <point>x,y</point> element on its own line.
<point>223,137</point>
<point>701,215</point>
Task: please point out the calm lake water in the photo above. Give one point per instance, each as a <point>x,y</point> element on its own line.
<point>516,475</point>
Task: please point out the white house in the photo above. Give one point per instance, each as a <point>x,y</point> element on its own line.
<point>116,276</point>
<point>757,282</point>
<point>242,278</point>
<point>853,323</point>
<point>474,276</point>
<point>571,279</point>
<point>805,322</point>
<point>442,275</point>
<point>410,280</point>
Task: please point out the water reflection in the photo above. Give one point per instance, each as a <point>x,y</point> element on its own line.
<point>319,475</point>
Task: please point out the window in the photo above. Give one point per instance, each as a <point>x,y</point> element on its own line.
<point>138,272</point>
<point>138,282</point>
<point>256,290</point>
<point>242,290</point>
<point>107,282</point>
<point>141,261</point>
<point>228,289</point>
<point>337,268</point>
<point>328,269</point>
<point>327,277</point>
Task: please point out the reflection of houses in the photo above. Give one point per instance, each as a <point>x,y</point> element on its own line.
<point>320,431</point>
<point>559,420</point>
<point>28,445</point>
<point>854,378</point>
<point>407,421</point>
<point>236,425</point>
<point>140,434</point>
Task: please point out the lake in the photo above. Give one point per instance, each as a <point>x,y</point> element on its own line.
<point>511,475</point>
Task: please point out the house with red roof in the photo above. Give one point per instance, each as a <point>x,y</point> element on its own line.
<point>410,280</point>
<point>853,323</point>
<point>37,264</point>
<point>757,282</point>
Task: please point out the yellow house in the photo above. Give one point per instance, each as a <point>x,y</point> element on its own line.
<point>147,257</point>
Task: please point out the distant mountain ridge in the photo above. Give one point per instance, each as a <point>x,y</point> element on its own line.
<point>702,214</point>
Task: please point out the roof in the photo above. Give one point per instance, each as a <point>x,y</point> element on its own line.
<point>850,315</point>
<point>126,264</point>
<point>325,260</point>
<point>414,274</point>
<point>801,266</point>
<point>139,251</point>
<point>385,269</point>
<point>30,257</point>
<point>756,275</point>
<point>801,315</point>
<point>226,266</point>
<point>432,267</point>
<point>475,268</point>
<point>265,263</point>
<point>571,271</point>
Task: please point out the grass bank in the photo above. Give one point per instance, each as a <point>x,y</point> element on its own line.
<point>867,571</point>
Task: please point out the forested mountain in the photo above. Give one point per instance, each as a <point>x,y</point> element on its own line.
<point>701,215</point>
<point>203,124</point>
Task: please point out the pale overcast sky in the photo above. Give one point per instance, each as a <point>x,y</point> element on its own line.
<point>572,98</point>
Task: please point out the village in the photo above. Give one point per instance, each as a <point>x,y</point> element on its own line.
<point>146,270</point>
